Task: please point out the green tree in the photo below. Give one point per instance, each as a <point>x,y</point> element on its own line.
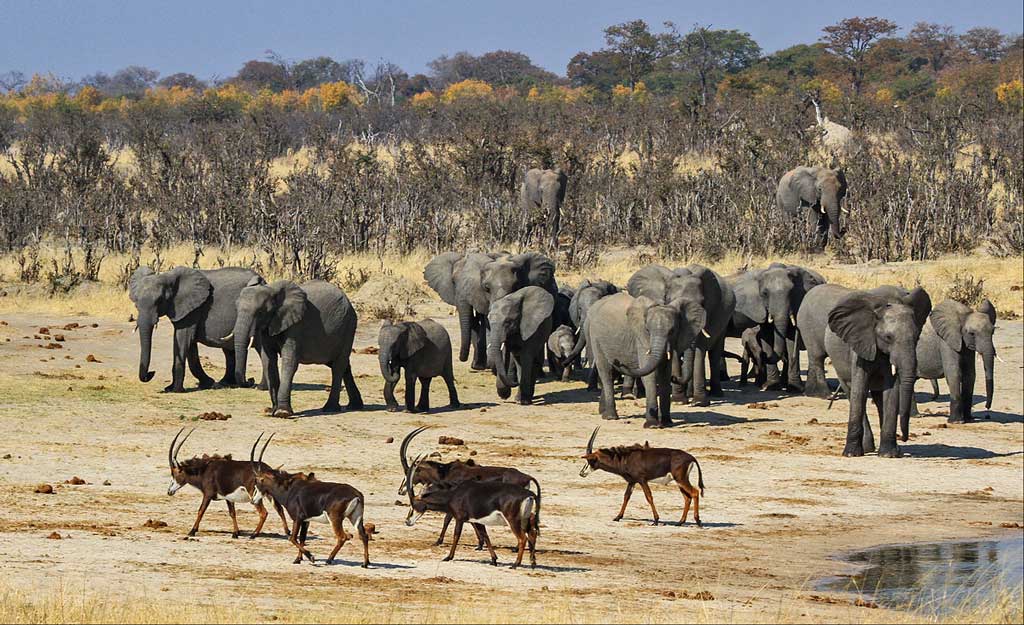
<point>710,54</point>
<point>634,49</point>
<point>850,41</point>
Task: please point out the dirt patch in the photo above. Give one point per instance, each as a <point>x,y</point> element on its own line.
<point>388,297</point>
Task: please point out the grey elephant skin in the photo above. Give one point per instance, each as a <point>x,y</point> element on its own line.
<point>200,305</point>
<point>424,350</point>
<point>544,189</point>
<point>701,286</point>
<point>292,324</point>
<point>949,345</point>
<point>867,334</point>
<point>634,336</point>
<point>819,189</point>
<point>560,348</point>
<point>586,295</point>
<point>770,299</point>
<point>520,324</point>
<point>472,282</point>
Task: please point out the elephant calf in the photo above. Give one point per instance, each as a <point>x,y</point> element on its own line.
<point>560,346</point>
<point>424,350</point>
<point>311,323</point>
<point>948,347</point>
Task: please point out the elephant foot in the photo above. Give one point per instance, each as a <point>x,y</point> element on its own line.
<point>889,451</point>
<point>282,413</point>
<point>794,387</point>
<point>717,392</point>
<point>666,423</point>
<point>773,385</point>
<point>331,407</point>
<point>853,450</point>
<point>455,405</point>
<point>680,397</point>
<point>504,393</point>
<point>174,388</point>
<point>261,386</point>
<point>703,402</point>
<point>423,408</point>
<point>814,390</point>
<point>610,417</point>
<point>355,404</point>
<point>653,425</point>
<point>394,408</point>
<point>479,367</point>
<point>207,383</point>
<point>525,402</point>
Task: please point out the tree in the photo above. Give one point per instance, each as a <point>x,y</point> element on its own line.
<point>635,49</point>
<point>182,80</point>
<point>316,71</point>
<point>12,81</point>
<point>988,44</point>
<point>594,69</point>
<point>851,39</point>
<point>936,41</point>
<point>132,82</point>
<point>263,75</point>
<point>499,68</point>
<point>711,54</point>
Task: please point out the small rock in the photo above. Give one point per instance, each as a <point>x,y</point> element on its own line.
<point>43,330</point>
<point>76,481</point>
<point>7,456</point>
<point>472,453</point>
<point>54,536</point>
<point>1011,526</point>
<point>154,525</point>
<point>389,440</point>
<point>369,349</point>
<point>862,603</point>
<point>399,502</point>
<point>94,325</point>
<point>91,358</point>
<point>812,422</point>
<point>214,416</point>
<point>450,440</point>
<point>71,326</point>
<point>106,482</point>
<point>44,489</point>
<point>483,410</point>
<point>59,338</point>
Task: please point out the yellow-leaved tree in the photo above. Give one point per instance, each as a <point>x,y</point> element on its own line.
<point>467,89</point>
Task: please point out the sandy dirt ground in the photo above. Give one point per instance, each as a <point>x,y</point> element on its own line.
<point>780,500</point>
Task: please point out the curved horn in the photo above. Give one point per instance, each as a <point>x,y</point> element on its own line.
<point>404,458</point>
<point>182,444</point>
<point>170,450</point>
<point>264,449</point>
<point>590,443</point>
<point>252,452</point>
<point>408,479</point>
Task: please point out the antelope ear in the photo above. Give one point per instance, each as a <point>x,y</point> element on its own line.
<point>289,306</point>
<point>537,306</point>
<point>988,309</point>
<point>948,322</point>
<point>135,282</point>
<point>192,289</point>
<point>854,319</point>
<point>919,300</point>
<point>415,340</point>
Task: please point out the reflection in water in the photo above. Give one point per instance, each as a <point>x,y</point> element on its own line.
<point>937,575</point>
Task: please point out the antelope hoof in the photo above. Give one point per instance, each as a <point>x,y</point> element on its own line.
<point>494,562</point>
<point>192,533</point>
<point>654,523</point>
<point>330,561</point>
<point>616,519</point>
<point>297,560</point>
<point>364,565</point>
<point>234,534</point>
<point>253,535</point>
<point>446,559</point>
<point>699,524</point>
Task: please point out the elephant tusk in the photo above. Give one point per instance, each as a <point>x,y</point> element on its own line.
<point>792,319</point>
<point>999,358</point>
<point>135,329</point>
<point>252,341</point>
<point>770,319</point>
<point>705,333</point>
<point>845,211</point>
<point>228,337</point>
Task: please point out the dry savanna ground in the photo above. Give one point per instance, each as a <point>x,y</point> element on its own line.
<point>780,500</point>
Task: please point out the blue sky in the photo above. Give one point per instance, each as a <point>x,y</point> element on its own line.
<point>213,38</point>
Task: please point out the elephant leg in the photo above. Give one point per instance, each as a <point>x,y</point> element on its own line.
<point>355,398</point>
<point>195,367</point>
<point>663,389</point>
<point>678,376</point>
<point>793,380</point>
<point>700,393</point>
<point>182,338</point>
<point>592,378</point>
<point>651,419</point>
<point>717,362</point>
<point>269,362</point>
<point>449,380</point>
<point>528,363</point>
<point>816,385</point>
<point>389,396</point>
<point>855,427</point>
<point>479,337</point>
<point>607,402</point>
<point>887,446</point>
<point>878,399</point>
<point>935,389</point>
<point>410,391</point>
<point>333,405</point>
<point>424,405</point>
<point>289,365</point>
<point>744,369</point>
<point>229,369</point>
<point>967,384</point>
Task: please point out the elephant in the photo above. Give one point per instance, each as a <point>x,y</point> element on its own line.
<point>756,353</point>
<point>867,333</point>
<point>948,347</point>
<point>424,350</point>
<point>589,292</point>
<point>520,324</point>
<point>770,298</point>
<point>820,188</point>
<point>633,335</point>
<point>544,189</point>
<point>201,306</point>
<point>560,346</point>
<point>472,282</point>
<point>311,323</point>
<point>699,285</point>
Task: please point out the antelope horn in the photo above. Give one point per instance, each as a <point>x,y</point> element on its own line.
<point>590,443</point>
<point>170,450</point>
<point>264,449</point>
<point>182,444</point>
<point>252,452</point>
<point>404,449</point>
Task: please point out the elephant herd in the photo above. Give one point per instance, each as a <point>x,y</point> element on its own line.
<point>662,336</point>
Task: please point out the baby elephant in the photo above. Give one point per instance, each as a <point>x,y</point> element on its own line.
<point>424,349</point>
<point>560,345</point>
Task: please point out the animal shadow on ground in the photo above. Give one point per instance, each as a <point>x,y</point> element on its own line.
<point>570,396</point>
<point>357,563</point>
<point>952,452</point>
<point>708,418</point>
<point>526,565</point>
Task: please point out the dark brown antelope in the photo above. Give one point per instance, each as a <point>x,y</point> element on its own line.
<point>481,504</point>
<point>308,499</point>
<point>643,465</point>
<point>217,477</point>
<point>447,474</point>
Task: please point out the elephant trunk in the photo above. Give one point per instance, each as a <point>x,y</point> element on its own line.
<point>465,330</point>
<point>390,374</point>
<point>833,209</point>
<point>654,357</point>
<point>988,356</point>
<point>906,371</point>
<point>496,354</point>
<point>242,336</point>
<point>146,323</point>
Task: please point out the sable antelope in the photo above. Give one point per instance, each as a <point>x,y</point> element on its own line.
<point>309,499</point>
<point>643,464</point>
<point>217,477</point>
<point>448,474</point>
<point>481,504</point>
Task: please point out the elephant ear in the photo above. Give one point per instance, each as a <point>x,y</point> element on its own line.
<point>948,321</point>
<point>748,298</point>
<point>574,303</point>
<point>539,270</point>
<point>636,314</point>
<point>415,340</point>
<point>919,300</point>
<point>710,286</point>
<point>854,319</point>
<point>439,275</point>
<point>693,318</point>
<point>135,282</point>
<point>469,287</point>
<point>651,281</point>
<point>255,281</point>
<point>986,308</point>
<point>537,306</point>
<point>289,306</point>
<point>191,290</point>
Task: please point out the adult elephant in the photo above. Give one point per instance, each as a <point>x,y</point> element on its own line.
<point>634,335</point>
<point>869,337</point>
<point>822,190</point>
<point>544,189</point>
<point>201,306</point>
<point>703,287</point>
<point>770,299</point>
<point>311,323</point>
<point>472,282</point>
<point>519,324</point>
<point>588,293</point>
<point>949,344</point>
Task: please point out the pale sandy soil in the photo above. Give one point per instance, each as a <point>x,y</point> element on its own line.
<point>780,499</point>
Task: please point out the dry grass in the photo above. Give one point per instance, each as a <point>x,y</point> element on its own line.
<point>107,298</point>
